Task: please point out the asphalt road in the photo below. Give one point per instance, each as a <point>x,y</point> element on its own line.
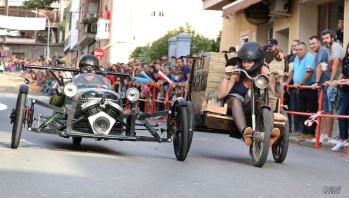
<point>216,166</point>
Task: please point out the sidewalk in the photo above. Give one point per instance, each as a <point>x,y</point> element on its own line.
<point>11,82</point>
<point>324,145</point>
<point>311,143</point>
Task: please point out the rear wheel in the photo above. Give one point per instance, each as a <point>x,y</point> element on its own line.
<point>180,132</point>
<point>280,147</point>
<point>76,140</point>
<point>261,138</point>
<point>18,120</point>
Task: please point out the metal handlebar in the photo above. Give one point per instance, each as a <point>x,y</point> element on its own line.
<point>239,71</point>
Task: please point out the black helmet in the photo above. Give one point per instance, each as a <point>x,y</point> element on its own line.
<point>251,51</point>
<point>89,62</point>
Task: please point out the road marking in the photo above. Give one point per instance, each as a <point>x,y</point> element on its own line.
<point>3,107</point>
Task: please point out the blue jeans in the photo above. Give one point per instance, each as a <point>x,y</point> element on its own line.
<point>297,124</point>
<point>343,110</point>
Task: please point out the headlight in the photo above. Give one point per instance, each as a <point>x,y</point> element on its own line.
<point>101,124</point>
<point>132,94</point>
<point>70,90</point>
<point>261,81</point>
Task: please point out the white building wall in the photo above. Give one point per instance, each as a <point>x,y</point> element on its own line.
<point>74,33</point>
<point>133,25</point>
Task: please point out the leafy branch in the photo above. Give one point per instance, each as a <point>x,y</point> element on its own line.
<point>40,4</point>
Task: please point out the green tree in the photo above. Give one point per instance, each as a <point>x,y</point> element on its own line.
<point>40,4</point>
<point>159,47</point>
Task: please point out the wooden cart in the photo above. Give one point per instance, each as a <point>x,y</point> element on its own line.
<point>211,113</point>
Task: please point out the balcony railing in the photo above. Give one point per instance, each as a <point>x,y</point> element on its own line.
<point>103,29</point>
<point>87,34</point>
<point>19,40</point>
<point>90,28</point>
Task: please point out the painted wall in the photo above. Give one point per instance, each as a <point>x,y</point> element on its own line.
<point>233,28</point>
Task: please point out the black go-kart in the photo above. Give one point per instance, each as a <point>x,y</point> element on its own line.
<point>92,110</point>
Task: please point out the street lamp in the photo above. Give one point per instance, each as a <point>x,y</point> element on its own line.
<point>48,31</point>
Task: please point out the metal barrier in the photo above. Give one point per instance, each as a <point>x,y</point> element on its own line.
<point>319,114</point>
<point>153,101</point>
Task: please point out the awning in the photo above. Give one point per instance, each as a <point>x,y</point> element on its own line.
<point>238,5</point>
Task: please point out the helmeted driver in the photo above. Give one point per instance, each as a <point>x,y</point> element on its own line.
<point>234,87</point>
<point>88,64</point>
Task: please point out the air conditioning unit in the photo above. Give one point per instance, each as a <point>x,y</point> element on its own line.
<point>280,7</point>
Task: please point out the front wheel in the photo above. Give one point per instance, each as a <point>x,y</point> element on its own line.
<point>261,138</point>
<point>180,131</point>
<point>280,147</point>
<point>18,120</point>
<point>191,118</point>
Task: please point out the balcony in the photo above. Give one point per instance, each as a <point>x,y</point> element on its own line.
<point>19,40</point>
<point>87,34</point>
<point>103,29</point>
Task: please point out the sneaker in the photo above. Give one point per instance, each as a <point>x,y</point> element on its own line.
<point>346,143</point>
<point>323,138</point>
<point>314,140</point>
<point>338,146</point>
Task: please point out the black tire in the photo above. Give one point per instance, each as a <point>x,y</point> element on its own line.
<point>280,147</point>
<point>190,111</point>
<point>18,120</point>
<point>76,140</point>
<point>260,146</point>
<point>180,131</point>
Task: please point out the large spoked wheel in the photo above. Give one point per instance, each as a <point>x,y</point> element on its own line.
<point>261,138</point>
<point>191,118</point>
<point>19,116</point>
<point>180,131</point>
<point>280,147</point>
<point>76,140</point>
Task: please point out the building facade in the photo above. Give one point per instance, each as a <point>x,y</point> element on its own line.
<point>132,23</point>
<point>30,44</point>
<point>284,20</point>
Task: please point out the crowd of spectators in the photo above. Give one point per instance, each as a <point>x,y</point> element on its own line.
<point>177,70</point>
<point>327,67</point>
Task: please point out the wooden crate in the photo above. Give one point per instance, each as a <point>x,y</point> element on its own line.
<point>208,73</point>
<point>209,107</point>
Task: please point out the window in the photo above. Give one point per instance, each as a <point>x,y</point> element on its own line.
<point>161,13</point>
<point>152,13</point>
<point>243,39</point>
<point>328,15</point>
